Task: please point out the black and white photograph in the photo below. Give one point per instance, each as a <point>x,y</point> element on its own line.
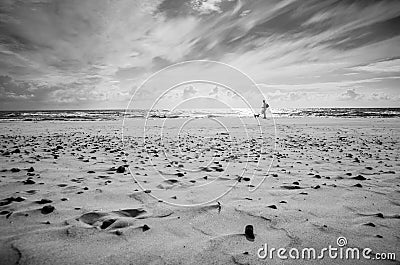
<point>199,132</point>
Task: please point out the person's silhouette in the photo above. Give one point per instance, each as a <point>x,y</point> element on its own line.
<point>264,109</point>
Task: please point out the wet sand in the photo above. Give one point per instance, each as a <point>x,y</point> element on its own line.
<point>74,193</point>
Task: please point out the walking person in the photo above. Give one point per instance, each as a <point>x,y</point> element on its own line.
<point>264,109</point>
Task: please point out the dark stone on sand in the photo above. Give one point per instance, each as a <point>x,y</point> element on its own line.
<point>31,169</point>
<point>369,168</point>
<point>359,177</point>
<point>86,188</point>
<point>296,183</point>
<point>303,193</point>
<point>4,212</point>
<point>121,169</point>
<point>9,200</point>
<point>246,179</point>
<point>44,201</point>
<point>91,172</point>
<point>358,185</point>
<point>380,215</point>
<point>14,170</point>
<point>249,232</point>
<point>317,176</point>
<point>29,181</point>
<point>107,223</point>
<point>147,191</point>
<point>317,187</point>
<point>145,228</point>
<point>64,199</point>
<point>379,236</point>
<point>47,209</point>
<point>273,206</point>
<point>118,233</point>
<point>370,224</point>
<point>290,187</point>
<point>283,202</point>
<point>180,174</point>
<point>19,199</point>
<point>171,181</point>
<point>17,151</point>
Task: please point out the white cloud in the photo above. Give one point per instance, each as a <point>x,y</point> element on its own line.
<point>350,95</point>
<point>384,66</point>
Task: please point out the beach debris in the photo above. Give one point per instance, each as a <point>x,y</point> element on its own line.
<point>107,223</point>
<point>249,232</point>
<point>121,169</point>
<point>29,181</point>
<point>44,201</point>
<point>359,177</point>
<point>380,215</point>
<point>47,209</point>
<point>11,199</point>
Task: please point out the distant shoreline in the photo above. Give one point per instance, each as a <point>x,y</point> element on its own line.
<point>117,114</point>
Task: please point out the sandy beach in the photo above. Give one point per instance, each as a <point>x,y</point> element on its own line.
<point>75,193</point>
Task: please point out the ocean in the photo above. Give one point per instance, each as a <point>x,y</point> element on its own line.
<point>98,115</point>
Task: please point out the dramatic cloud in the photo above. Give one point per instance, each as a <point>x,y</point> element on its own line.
<point>94,53</point>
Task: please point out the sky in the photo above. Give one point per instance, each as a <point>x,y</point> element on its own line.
<point>94,54</point>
